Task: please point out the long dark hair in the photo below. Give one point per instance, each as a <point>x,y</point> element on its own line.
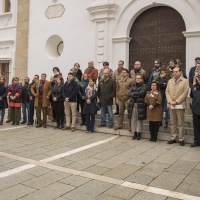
<point>61,80</point>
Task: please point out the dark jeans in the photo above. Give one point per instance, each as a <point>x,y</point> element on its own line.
<point>52,105</point>
<point>90,119</point>
<point>31,111</point>
<point>196,124</point>
<point>154,128</point>
<point>2,114</point>
<point>83,117</point>
<point>60,111</point>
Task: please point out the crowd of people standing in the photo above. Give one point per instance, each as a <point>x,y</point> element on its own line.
<point>144,96</point>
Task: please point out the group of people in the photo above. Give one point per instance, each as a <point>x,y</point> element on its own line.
<point>144,96</point>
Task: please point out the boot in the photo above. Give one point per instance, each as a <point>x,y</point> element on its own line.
<point>135,136</point>
<point>138,136</point>
<point>166,125</point>
<point>155,137</point>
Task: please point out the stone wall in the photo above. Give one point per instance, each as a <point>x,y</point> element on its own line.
<point>21,56</point>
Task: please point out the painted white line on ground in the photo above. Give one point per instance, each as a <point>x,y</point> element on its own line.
<point>16,170</point>
<point>25,167</point>
<point>145,188</point>
<point>62,155</point>
<point>16,127</point>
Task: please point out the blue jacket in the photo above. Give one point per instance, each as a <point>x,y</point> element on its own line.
<point>195,95</point>
<point>70,90</point>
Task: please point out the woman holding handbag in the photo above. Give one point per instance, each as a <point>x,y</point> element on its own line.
<point>90,105</point>
<point>58,102</point>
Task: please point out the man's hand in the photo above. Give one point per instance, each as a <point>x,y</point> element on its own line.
<point>88,101</point>
<point>54,99</point>
<point>1,98</point>
<point>35,95</point>
<point>31,98</point>
<point>117,101</point>
<point>47,97</point>
<point>173,103</point>
<point>67,99</point>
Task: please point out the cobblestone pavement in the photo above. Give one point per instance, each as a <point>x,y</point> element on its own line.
<point>48,164</point>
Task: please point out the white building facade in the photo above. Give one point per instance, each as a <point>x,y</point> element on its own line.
<point>63,32</point>
<point>8,23</point>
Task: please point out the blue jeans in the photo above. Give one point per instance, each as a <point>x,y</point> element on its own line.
<point>2,114</point>
<point>103,114</point>
<point>25,106</point>
<point>90,119</point>
<point>165,109</point>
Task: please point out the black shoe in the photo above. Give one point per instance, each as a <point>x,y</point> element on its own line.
<point>57,126</point>
<point>17,123</point>
<point>194,144</point>
<point>135,136</point>
<point>28,124</point>
<point>82,124</point>
<point>23,122</point>
<point>44,126</point>
<point>13,123</point>
<point>8,121</point>
<point>166,125</point>
<point>61,126</point>
<point>38,126</point>
<point>116,113</point>
<point>101,125</point>
<point>139,136</point>
<point>110,126</point>
<point>171,141</point>
<point>182,143</point>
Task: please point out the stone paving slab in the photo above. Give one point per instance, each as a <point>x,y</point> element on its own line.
<point>140,178</point>
<point>148,196</point>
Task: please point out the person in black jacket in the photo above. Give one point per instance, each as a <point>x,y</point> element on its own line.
<point>3,99</point>
<point>31,101</point>
<point>77,75</point>
<point>69,92</point>
<point>193,72</point>
<point>195,106</point>
<point>58,102</point>
<point>162,80</point>
<point>137,107</point>
<point>90,105</point>
<point>25,100</point>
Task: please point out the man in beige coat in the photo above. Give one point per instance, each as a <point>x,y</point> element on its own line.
<point>176,93</point>
<point>41,90</point>
<point>122,90</point>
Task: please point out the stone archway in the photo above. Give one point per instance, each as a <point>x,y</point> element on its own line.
<point>157,34</point>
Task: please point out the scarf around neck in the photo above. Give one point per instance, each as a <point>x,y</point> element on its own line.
<point>90,90</point>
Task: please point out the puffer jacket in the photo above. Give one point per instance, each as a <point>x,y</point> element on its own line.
<point>137,94</point>
<point>195,95</point>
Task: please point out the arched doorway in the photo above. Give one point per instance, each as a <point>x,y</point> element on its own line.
<point>157,33</point>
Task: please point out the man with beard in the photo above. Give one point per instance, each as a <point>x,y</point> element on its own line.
<point>172,64</point>
<point>31,102</point>
<point>106,92</point>
<point>154,72</point>
<point>138,71</point>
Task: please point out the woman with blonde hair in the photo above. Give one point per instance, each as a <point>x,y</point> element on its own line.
<point>15,100</point>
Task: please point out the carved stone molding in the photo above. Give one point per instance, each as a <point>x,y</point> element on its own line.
<point>4,18</point>
<point>103,11</point>
<point>191,34</point>
<point>121,39</point>
<point>55,11</point>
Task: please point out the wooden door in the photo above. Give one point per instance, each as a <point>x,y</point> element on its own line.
<point>5,72</point>
<point>157,33</point>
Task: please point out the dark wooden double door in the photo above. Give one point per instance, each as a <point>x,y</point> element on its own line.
<point>157,33</point>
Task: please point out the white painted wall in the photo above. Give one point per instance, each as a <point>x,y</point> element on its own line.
<point>105,38</point>
<point>8,34</point>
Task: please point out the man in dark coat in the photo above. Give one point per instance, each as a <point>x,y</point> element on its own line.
<point>69,92</point>
<point>25,100</point>
<point>106,92</point>
<point>195,95</point>
<point>3,99</point>
<point>31,101</point>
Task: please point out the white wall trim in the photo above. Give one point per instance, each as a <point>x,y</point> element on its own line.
<point>121,39</point>
<point>191,34</point>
